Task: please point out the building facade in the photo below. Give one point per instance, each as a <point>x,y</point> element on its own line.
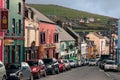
<point>46,35</point>
<point>99,41</point>
<point>14,37</point>
<point>66,44</point>
<point>3,11</point>
<point>31,34</point>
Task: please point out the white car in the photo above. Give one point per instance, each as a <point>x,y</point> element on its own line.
<point>110,65</point>
<point>2,72</point>
<point>92,62</point>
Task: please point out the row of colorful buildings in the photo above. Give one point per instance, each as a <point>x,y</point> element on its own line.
<point>30,35</point>
<point>26,34</point>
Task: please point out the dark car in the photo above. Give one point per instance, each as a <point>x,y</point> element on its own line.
<point>52,65</point>
<point>19,71</point>
<point>38,68</point>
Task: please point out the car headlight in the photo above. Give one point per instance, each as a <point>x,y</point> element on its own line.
<point>34,69</point>
<point>50,66</point>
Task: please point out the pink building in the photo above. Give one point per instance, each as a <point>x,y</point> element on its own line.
<point>47,45</point>
<point>1,4</point>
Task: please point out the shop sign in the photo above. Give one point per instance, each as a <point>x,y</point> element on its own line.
<point>4,19</point>
<point>8,42</point>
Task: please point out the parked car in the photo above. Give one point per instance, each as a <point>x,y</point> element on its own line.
<point>52,65</point>
<point>73,63</point>
<point>110,65</point>
<point>101,63</point>
<point>80,63</point>
<point>61,65</point>
<point>19,71</point>
<point>2,72</point>
<point>38,68</point>
<point>92,62</point>
<point>67,64</point>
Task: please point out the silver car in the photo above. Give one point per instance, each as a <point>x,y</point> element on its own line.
<point>110,65</point>
<point>2,72</point>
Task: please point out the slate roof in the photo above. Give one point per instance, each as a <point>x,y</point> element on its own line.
<point>73,32</point>
<point>63,35</point>
<point>40,16</point>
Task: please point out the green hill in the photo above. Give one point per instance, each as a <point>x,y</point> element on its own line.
<point>55,12</point>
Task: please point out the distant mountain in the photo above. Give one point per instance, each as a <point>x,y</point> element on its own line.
<point>74,18</point>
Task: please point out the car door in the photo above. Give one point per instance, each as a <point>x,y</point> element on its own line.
<point>26,71</point>
<point>42,66</point>
<point>2,70</point>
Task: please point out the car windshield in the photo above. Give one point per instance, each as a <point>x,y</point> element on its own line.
<point>92,60</point>
<point>13,67</point>
<point>110,62</point>
<point>33,63</point>
<point>71,60</point>
<point>47,61</point>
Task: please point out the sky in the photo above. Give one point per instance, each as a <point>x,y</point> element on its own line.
<point>103,7</point>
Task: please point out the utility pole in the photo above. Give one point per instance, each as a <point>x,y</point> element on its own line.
<point>109,24</point>
<point>118,44</point>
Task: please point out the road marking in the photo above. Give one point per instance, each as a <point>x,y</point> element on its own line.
<point>107,74</point>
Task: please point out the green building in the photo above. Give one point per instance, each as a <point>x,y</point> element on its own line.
<point>14,37</point>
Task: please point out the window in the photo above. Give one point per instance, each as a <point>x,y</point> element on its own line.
<point>32,15</point>
<point>56,37</point>
<point>1,65</point>
<point>42,36</point>
<point>19,26</point>
<point>19,8</point>
<point>26,13</point>
<point>13,25</point>
<point>7,4</point>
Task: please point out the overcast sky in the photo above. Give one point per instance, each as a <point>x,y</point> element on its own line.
<point>103,7</point>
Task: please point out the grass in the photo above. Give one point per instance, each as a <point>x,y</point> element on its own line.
<point>65,14</point>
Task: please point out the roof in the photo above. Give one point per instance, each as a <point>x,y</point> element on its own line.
<point>98,35</point>
<point>63,35</point>
<point>73,32</point>
<point>40,17</point>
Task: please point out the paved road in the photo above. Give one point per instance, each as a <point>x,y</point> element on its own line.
<point>84,73</point>
<point>81,73</point>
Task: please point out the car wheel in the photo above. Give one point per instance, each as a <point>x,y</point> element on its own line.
<point>53,72</point>
<point>45,74</point>
<point>31,77</point>
<point>4,78</point>
<point>58,71</point>
<point>39,75</point>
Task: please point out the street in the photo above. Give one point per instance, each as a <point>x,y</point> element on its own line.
<point>84,73</point>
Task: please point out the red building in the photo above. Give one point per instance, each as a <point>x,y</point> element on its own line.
<point>1,33</point>
<point>47,36</point>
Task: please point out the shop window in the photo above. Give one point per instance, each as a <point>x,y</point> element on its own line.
<point>56,37</point>
<point>13,25</point>
<point>13,54</point>
<point>7,54</point>
<point>19,26</point>
<point>7,4</point>
<point>42,37</point>
<point>18,53</point>
<point>19,8</point>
